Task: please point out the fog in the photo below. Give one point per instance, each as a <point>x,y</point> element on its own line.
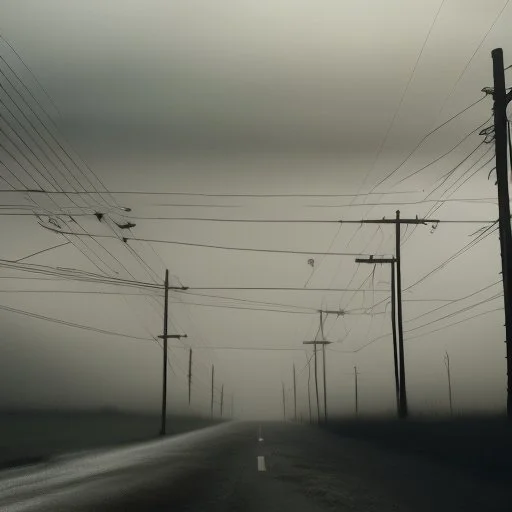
<point>269,97</point>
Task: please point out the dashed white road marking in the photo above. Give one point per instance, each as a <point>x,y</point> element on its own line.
<point>260,439</point>
<point>261,464</point>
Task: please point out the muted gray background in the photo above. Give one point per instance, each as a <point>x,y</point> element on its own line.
<point>259,97</point>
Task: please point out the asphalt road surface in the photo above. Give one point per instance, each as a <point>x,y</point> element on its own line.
<point>248,467</point>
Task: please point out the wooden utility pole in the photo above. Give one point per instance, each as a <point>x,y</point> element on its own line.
<point>316,382</point>
<point>322,342</point>
<point>308,362</point>
<point>393,329</point>
<point>324,370</point>
<point>294,394</point>
<point>315,343</point>
<point>164,384</point>
<point>221,400</point>
<point>501,100</point>
<point>392,262</point>
<point>402,398</point>
<point>355,391</point>
<point>284,402</point>
<point>165,337</point>
<point>447,364</point>
<point>402,411</point>
<point>213,381</point>
<point>189,375</point>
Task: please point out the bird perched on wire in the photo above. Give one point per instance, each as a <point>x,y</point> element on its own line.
<point>127,225</point>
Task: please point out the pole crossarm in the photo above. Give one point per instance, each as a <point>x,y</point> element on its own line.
<point>172,336</point>
<point>371,259</point>
<point>319,342</point>
<point>392,221</point>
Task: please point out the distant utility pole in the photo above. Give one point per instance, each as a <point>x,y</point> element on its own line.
<point>392,262</point>
<point>447,364</point>
<point>189,375</point>
<point>315,343</point>
<point>308,361</point>
<point>324,370</point>
<point>284,402</point>
<point>398,222</point>
<point>501,100</point>
<point>323,343</point>
<point>221,400</point>
<point>294,394</point>
<point>355,390</point>
<point>213,382</point>
<point>165,337</point>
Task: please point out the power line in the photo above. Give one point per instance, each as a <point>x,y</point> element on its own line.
<point>202,194</point>
<point>467,308</point>
<point>61,147</point>
<point>48,131</point>
<point>465,179</point>
<point>246,308</point>
<point>463,72</point>
<point>81,292</point>
<point>477,200</point>
<point>41,251</point>
<point>70,324</point>
<point>403,95</point>
<point>453,148</point>
<point>420,143</point>
<point>7,42</point>
<point>482,235</point>
<point>455,323</point>
<point>34,128</point>
<point>254,302</point>
<point>450,173</point>
<point>213,347</point>
<point>468,246</point>
<point>463,310</point>
<point>286,221</point>
<point>283,289</point>
<point>74,274</point>
<point>208,246</point>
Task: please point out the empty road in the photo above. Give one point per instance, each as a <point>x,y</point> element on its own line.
<point>230,467</point>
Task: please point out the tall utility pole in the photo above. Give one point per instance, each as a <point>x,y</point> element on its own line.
<point>221,400</point>
<point>356,403</point>
<point>501,100</point>
<point>284,402</point>
<point>294,394</point>
<point>402,411</point>
<point>213,381</point>
<point>447,364</point>
<point>323,343</point>
<point>308,362</point>
<point>393,330</point>
<point>324,370</point>
<point>316,342</point>
<point>165,337</point>
<point>392,262</point>
<point>189,375</point>
<point>398,222</point>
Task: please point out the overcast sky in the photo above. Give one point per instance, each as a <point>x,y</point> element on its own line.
<point>243,97</point>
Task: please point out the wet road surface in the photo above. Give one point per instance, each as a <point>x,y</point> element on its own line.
<point>248,467</point>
